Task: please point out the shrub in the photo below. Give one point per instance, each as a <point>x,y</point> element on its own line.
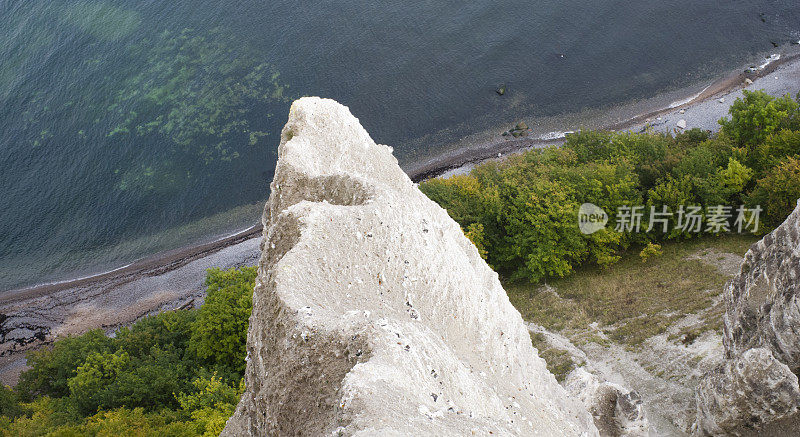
<point>778,191</point>
<point>476,235</point>
<point>776,147</point>
<point>758,115</point>
<point>211,403</point>
<point>88,388</point>
<point>219,334</point>
<point>650,251</point>
<point>51,368</point>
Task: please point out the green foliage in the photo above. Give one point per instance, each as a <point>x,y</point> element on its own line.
<point>462,195</point>
<point>539,220</point>
<point>133,422</point>
<point>219,334</point>
<point>50,368</point>
<point>45,419</point>
<point>650,251</point>
<point>88,386</point>
<point>735,179</point>
<point>759,115</point>
<point>158,377</point>
<point>700,165</point>
<point>212,403</point>
<point>9,403</point>
<point>476,235</point>
<point>521,212</point>
<point>150,381</point>
<point>777,146</point>
<point>43,416</point>
<point>777,192</point>
<point>168,330</point>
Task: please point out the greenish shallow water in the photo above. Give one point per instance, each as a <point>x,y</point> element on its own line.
<point>132,127</point>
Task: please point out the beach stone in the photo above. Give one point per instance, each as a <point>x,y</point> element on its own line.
<point>373,314</point>
<point>722,100</point>
<point>682,111</point>
<point>756,384</point>
<point>681,124</point>
<point>748,81</point>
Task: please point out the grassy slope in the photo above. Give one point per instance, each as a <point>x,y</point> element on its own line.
<point>631,300</point>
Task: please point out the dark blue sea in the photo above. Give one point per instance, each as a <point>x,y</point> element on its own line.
<point>132,127</point>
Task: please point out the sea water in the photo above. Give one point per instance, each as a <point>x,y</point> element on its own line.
<point>133,127</point>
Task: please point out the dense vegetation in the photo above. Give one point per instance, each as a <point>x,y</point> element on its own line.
<point>177,373</point>
<point>522,213</point>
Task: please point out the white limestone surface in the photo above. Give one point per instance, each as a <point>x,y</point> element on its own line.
<point>373,314</point>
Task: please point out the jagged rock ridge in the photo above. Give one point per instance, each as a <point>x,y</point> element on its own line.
<point>757,382</point>
<point>373,314</point>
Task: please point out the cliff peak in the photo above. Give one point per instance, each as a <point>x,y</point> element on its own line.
<point>374,314</point>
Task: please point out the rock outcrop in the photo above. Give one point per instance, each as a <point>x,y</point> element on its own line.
<point>617,411</point>
<point>373,314</point>
<point>757,383</point>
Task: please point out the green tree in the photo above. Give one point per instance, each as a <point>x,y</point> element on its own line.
<point>476,235</point>
<point>150,382</point>
<point>9,403</point>
<point>167,330</point>
<point>758,115</point>
<point>219,334</point>
<point>777,192</point>
<point>700,166</point>
<point>674,194</point>
<point>51,368</point>
<point>211,403</point>
<point>734,178</point>
<point>776,147</point>
<point>541,227</point>
<point>88,386</point>
<point>460,195</point>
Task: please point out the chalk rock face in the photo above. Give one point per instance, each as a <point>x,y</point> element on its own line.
<point>616,411</point>
<point>757,384</point>
<point>747,391</point>
<point>373,314</point>
<point>762,301</point>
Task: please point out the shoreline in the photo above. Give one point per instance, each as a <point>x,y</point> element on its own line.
<point>432,168</point>
<point>34,316</point>
<point>471,156</point>
<point>152,265</point>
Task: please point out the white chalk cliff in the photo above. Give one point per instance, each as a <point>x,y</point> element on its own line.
<point>373,314</point>
<point>757,383</point>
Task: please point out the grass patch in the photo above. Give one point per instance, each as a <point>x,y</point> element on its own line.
<point>631,300</point>
<point>559,362</point>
